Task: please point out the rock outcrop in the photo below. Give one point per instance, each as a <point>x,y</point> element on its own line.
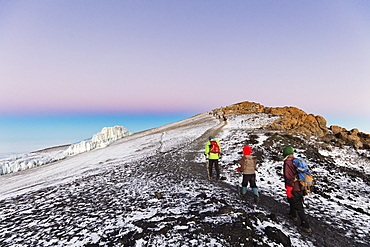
<point>294,121</point>
<point>353,137</point>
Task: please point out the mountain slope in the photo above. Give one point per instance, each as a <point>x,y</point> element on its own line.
<point>151,189</point>
<point>21,162</point>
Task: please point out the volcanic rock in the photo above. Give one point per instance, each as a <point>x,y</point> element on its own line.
<point>353,138</point>
<point>278,236</point>
<point>293,121</point>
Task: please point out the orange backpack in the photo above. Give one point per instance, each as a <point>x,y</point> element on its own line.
<point>214,147</point>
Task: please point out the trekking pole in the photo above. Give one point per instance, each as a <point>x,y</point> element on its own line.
<point>239,177</point>
<point>207,167</point>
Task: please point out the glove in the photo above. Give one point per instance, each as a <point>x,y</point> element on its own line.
<point>289,191</point>
<point>239,169</point>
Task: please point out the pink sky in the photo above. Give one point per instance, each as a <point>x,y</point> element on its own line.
<point>186,56</point>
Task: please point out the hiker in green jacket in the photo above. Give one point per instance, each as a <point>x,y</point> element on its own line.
<point>212,151</point>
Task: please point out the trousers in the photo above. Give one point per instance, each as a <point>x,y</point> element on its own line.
<point>296,207</point>
<point>211,164</point>
<point>249,178</point>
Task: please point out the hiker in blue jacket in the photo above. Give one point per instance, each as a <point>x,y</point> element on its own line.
<point>293,189</point>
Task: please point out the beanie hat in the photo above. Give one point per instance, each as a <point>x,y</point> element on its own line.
<point>247,150</point>
<point>288,150</point>
<point>210,138</point>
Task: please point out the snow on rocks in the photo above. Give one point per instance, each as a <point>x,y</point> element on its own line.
<point>341,180</point>
<point>109,196</point>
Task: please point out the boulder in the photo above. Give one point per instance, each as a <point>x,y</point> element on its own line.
<point>300,123</point>
<point>158,195</point>
<point>277,236</point>
<point>227,209</point>
<point>353,138</point>
<point>336,129</point>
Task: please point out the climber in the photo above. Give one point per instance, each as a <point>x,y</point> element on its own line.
<point>212,153</point>
<point>248,168</point>
<point>293,188</point>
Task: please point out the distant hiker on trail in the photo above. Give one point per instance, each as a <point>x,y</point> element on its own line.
<point>293,188</point>
<point>224,116</point>
<point>212,152</point>
<point>248,168</point>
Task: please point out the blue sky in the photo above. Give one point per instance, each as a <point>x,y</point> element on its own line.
<point>185,57</point>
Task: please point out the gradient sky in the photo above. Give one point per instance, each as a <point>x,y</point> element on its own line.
<point>63,57</point>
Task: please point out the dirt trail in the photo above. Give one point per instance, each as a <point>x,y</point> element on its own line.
<point>202,140</point>
<point>192,151</point>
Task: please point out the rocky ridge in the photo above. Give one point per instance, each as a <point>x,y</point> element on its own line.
<point>293,121</point>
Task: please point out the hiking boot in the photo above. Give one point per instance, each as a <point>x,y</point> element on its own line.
<point>295,219</point>
<point>306,229</point>
<point>256,199</point>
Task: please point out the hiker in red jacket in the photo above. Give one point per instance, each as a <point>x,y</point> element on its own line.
<point>293,189</point>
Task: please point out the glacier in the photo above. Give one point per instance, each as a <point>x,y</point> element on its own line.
<point>106,137</point>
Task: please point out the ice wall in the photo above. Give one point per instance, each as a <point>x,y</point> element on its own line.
<point>102,139</point>
<point>26,161</point>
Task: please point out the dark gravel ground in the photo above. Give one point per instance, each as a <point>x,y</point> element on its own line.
<point>176,203</point>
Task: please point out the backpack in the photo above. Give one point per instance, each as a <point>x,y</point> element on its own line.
<point>304,175</point>
<point>214,147</point>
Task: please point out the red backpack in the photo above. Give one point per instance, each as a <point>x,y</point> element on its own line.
<point>214,147</point>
